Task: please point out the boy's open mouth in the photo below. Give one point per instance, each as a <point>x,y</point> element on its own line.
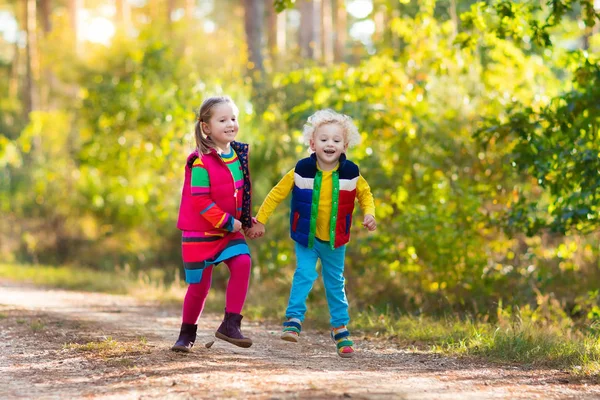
<point>329,151</point>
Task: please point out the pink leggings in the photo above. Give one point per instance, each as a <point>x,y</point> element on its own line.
<point>237,288</point>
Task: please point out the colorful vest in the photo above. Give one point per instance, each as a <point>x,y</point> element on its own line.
<point>305,201</point>
<point>221,191</point>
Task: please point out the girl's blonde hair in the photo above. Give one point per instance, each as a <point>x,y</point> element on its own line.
<point>328,116</point>
<point>203,141</point>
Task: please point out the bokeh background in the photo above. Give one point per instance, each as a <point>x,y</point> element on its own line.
<point>479,124</point>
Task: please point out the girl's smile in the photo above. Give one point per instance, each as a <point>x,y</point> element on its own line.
<point>222,127</point>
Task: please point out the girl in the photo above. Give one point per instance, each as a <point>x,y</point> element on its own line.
<point>324,189</point>
<point>215,206</point>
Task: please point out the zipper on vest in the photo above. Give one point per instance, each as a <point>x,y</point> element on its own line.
<point>335,197</point>
<point>235,190</point>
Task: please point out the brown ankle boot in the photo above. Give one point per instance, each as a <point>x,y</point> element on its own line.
<point>230,330</point>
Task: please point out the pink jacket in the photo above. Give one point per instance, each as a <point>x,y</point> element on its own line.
<point>222,191</point>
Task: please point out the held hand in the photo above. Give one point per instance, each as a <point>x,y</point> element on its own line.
<point>248,230</point>
<point>237,225</point>
<point>369,222</point>
<point>257,230</point>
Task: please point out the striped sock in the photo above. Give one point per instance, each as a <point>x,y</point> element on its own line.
<point>291,330</point>
<point>292,325</point>
<point>341,337</point>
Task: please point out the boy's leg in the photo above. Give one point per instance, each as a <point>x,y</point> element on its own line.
<point>333,280</point>
<point>332,262</point>
<point>304,277</point>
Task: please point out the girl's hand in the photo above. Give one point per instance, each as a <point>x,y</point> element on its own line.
<point>257,230</point>
<point>237,225</point>
<point>369,222</point>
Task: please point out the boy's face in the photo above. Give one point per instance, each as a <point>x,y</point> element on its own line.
<point>328,143</point>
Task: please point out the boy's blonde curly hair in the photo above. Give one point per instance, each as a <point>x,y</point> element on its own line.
<point>328,116</point>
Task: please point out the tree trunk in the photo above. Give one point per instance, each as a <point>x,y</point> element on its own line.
<point>282,32</point>
<point>45,16</point>
<point>316,35</point>
<point>380,25</point>
<point>326,31</point>
<point>589,31</point>
<point>272,32</point>
<point>254,11</point>
<point>73,9</point>
<point>454,16</point>
<point>341,26</point>
<point>49,81</point>
<point>13,84</point>
<point>306,30</point>
<point>169,13</point>
<point>123,17</point>
<point>31,57</point>
<point>189,8</point>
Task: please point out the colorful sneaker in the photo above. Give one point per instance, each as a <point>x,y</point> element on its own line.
<point>291,330</point>
<point>341,337</point>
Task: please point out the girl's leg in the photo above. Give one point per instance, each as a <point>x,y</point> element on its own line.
<point>237,287</point>
<point>304,277</point>
<point>332,262</point>
<point>195,297</point>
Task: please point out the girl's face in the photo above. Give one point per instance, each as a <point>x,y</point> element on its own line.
<point>222,127</point>
<point>328,143</point>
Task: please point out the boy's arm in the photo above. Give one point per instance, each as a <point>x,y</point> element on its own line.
<point>365,197</point>
<point>200,188</point>
<point>276,196</point>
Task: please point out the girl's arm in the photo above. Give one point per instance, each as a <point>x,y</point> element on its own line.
<point>200,188</point>
<point>275,196</point>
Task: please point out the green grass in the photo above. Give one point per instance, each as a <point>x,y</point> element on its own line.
<point>72,278</point>
<point>110,348</point>
<point>143,286</point>
<point>519,337</point>
<point>521,340</point>
<point>37,325</point>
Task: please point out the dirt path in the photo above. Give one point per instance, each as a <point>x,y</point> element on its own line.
<point>45,353</point>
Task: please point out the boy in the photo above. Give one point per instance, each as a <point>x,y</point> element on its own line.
<point>324,188</point>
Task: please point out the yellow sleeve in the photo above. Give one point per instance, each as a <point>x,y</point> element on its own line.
<point>365,197</point>
<point>276,196</point>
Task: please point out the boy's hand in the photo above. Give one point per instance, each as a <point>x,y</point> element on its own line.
<point>369,222</point>
<point>257,230</point>
<point>237,225</point>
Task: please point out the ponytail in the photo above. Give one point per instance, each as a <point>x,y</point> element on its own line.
<point>203,142</point>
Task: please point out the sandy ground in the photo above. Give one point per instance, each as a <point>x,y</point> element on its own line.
<point>45,353</point>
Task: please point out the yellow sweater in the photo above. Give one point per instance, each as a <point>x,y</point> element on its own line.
<point>285,186</point>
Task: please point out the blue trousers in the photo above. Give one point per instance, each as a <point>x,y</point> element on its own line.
<point>332,269</point>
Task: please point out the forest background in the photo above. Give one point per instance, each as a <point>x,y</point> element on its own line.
<point>479,124</point>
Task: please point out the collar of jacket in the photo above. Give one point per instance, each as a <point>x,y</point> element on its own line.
<point>240,148</point>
